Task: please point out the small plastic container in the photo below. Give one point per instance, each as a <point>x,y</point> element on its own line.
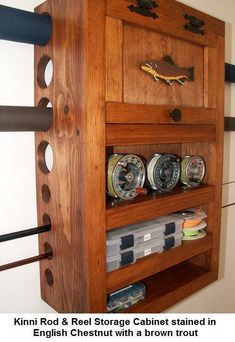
<point>126,297</point>
<point>134,235</point>
<point>130,255</point>
<point>191,217</point>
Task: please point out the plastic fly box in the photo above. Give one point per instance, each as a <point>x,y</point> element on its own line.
<point>126,297</point>
<point>134,235</point>
<point>129,256</point>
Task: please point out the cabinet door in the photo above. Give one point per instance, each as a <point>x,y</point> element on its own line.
<point>135,37</point>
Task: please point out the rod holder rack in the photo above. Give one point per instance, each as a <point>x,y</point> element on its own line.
<point>24,233</point>
<point>24,27</point>
<point>22,119</point>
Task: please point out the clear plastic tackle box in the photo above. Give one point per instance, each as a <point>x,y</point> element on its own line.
<point>134,235</point>
<point>129,256</point>
<point>126,297</point>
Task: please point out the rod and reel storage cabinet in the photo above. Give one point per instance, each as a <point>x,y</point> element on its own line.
<point>104,102</point>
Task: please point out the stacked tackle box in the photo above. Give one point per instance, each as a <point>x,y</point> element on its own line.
<point>127,244</point>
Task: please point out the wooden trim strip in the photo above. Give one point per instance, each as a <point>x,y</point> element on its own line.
<point>167,10</point>
<point>148,207</point>
<point>130,134</point>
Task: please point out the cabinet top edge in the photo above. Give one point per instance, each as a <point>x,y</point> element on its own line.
<point>218,22</point>
<point>217,25</point>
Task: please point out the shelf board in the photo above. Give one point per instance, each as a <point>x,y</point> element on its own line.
<point>136,134</point>
<point>118,112</point>
<point>157,262</point>
<point>172,285</point>
<point>147,207</point>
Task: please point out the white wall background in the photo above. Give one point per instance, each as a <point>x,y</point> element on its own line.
<point>19,288</point>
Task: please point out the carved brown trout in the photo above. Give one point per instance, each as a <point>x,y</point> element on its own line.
<point>168,71</point>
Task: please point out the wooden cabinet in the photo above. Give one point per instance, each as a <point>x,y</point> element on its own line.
<point>104,103</point>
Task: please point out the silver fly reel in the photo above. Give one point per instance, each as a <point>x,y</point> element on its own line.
<point>192,170</point>
<point>163,172</point>
<point>126,173</point>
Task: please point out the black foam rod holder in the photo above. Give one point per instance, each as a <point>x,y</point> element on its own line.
<point>22,119</point>
<point>24,27</point>
<point>229,73</point>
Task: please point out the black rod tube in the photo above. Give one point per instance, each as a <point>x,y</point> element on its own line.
<point>24,27</point>
<point>25,261</point>
<point>21,119</point>
<point>24,233</point>
<point>229,123</point>
<point>229,73</point>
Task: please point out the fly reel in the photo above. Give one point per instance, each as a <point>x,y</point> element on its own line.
<point>125,176</point>
<point>163,172</point>
<point>192,170</point>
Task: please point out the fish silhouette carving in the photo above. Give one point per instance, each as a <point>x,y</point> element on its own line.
<point>168,71</point>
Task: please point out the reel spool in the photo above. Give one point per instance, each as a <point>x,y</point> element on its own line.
<point>125,176</point>
<point>163,172</point>
<point>192,170</point>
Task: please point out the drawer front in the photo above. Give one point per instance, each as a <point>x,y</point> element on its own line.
<point>118,112</point>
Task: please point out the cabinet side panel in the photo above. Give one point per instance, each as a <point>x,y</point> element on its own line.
<point>213,152</point>
<point>76,206</point>
<point>218,152</point>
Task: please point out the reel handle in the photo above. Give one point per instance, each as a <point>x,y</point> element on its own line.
<point>141,191</point>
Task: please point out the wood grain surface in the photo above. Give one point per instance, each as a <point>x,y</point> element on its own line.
<point>103,103</point>
<point>147,207</point>
<point>135,134</point>
<point>114,56</point>
<point>77,204</point>
<point>140,87</point>
<point>171,20</point>
<point>171,286</point>
<point>118,112</point>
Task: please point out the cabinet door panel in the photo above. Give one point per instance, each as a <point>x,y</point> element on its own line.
<point>140,87</point>
<point>127,85</point>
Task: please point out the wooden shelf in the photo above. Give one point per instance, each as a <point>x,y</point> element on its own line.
<point>130,134</point>
<point>172,285</point>
<point>150,206</point>
<point>150,265</point>
<point>129,113</point>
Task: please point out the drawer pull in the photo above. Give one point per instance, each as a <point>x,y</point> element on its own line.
<point>195,24</point>
<point>176,115</point>
<point>145,8</point>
